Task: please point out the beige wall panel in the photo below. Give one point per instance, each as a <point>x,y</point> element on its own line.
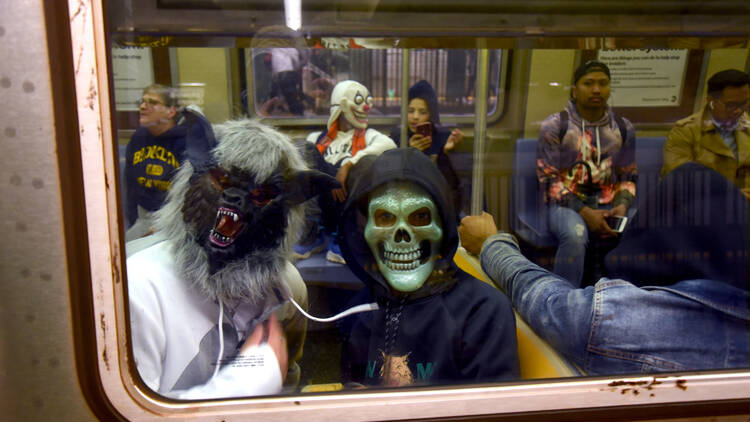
<point>206,66</point>
<point>549,86</point>
<point>38,380</point>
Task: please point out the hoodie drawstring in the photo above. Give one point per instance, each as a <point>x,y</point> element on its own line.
<point>392,322</point>
<point>585,143</point>
<point>598,149</point>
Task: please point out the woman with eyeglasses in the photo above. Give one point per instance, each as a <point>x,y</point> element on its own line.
<point>153,154</point>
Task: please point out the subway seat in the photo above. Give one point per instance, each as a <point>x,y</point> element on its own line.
<point>537,359</point>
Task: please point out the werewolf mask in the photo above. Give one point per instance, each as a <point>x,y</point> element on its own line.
<point>232,223</point>
<point>233,216</point>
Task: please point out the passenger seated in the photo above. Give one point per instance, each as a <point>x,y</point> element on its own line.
<point>152,156</point>
<point>586,168</point>
<point>432,139</point>
<point>435,323</point>
<point>346,141</point>
<point>717,136</point>
<point>203,300</point>
<point>653,323</point>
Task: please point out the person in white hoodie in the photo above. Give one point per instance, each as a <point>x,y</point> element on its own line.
<point>206,300</point>
<point>586,168</point>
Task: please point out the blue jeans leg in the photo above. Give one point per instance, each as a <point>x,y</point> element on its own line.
<point>573,238</point>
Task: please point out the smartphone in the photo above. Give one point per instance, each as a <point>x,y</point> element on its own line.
<point>617,223</point>
<point>425,129</point>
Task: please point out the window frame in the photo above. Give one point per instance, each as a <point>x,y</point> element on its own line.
<point>115,371</point>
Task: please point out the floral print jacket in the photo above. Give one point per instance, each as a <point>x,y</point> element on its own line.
<point>600,145</point>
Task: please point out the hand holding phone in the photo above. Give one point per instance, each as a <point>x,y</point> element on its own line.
<point>424,129</point>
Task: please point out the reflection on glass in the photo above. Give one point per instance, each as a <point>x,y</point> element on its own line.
<point>669,293</point>
<point>298,81</point>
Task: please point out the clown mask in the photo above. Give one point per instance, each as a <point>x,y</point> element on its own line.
<point>404,233</point>
<point>353,100</point>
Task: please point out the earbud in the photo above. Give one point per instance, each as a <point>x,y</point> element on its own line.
<point>711,105</point>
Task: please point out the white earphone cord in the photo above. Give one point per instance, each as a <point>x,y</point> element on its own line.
<point>366,307</point>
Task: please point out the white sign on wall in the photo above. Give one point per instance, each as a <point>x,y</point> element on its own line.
<point>645,77</point>
<point>133,71</point>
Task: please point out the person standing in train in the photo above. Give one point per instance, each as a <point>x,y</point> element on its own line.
<point>426,134</point>
<point>586,168</point>
<point>152,156</point>
<point>717,136</point>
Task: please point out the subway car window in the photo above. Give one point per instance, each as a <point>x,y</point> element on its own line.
<point>292,82</point>
<point>343,216</point>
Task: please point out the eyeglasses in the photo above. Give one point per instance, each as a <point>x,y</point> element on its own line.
<point>733,107</point>
<point>150,102</point>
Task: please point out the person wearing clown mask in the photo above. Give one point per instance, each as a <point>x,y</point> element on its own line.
<point>346,140</point>
<point>434,324</point>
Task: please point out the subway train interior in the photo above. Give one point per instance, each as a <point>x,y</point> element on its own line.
<point>396,209</point>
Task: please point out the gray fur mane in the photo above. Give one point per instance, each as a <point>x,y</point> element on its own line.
<point>259,150</point>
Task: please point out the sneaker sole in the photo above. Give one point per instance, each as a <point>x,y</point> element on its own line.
<point>298,256</point>
<point>333,257</point>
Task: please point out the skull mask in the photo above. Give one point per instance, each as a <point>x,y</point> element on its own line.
<point>353,100</point>
<point>404,233</point>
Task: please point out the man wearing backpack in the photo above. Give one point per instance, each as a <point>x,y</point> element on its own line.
<point>586,168</point>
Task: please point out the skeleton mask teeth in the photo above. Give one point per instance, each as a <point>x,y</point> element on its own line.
<point>226,227</point>
<point>404,233</point>
<point>405,260</point>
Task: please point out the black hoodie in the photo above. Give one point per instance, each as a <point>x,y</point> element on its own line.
<point>453,329</point>
<point>440,135</point>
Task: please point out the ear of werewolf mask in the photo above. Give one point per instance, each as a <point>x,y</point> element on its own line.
<point>232,225</point>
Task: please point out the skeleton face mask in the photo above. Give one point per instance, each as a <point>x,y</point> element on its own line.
<point>404,233</point>
<point>354,101</point>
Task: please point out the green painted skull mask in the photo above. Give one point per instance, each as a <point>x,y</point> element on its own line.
<point>404,233</point>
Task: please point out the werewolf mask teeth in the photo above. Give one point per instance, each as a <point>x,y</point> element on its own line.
<point>226,227</point>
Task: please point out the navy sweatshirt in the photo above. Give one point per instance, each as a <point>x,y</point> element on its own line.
<point>151,163</point>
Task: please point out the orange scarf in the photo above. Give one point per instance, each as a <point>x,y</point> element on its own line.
<point>358,140</point>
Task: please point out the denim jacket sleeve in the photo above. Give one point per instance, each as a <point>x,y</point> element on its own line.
<point>558,312</point>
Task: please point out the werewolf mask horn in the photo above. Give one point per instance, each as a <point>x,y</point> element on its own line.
<point>232,225</point>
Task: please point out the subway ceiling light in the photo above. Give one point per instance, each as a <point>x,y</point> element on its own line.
<point>293,14</point>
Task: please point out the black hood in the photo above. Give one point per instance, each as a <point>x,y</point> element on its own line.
<point>425,91</point>
<point>406,164</point>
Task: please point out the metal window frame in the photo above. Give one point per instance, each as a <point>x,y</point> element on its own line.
<point>114,370</point>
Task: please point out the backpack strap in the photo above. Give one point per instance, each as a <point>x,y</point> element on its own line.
<point>563,124</point>
<point>621,125</point>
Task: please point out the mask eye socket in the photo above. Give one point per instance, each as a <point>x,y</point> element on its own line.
<point>219,178</point>
<point>359,99</point>
<point>369,100</point>
<point>262,195</point>
<point>384,218</point>
<point>420,217</point>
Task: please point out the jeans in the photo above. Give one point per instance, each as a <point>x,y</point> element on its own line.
<point>573,238</point>
<point>615,327</point>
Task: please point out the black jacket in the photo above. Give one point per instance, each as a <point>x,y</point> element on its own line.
<point>453,329</point>
<point>424,90</point>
